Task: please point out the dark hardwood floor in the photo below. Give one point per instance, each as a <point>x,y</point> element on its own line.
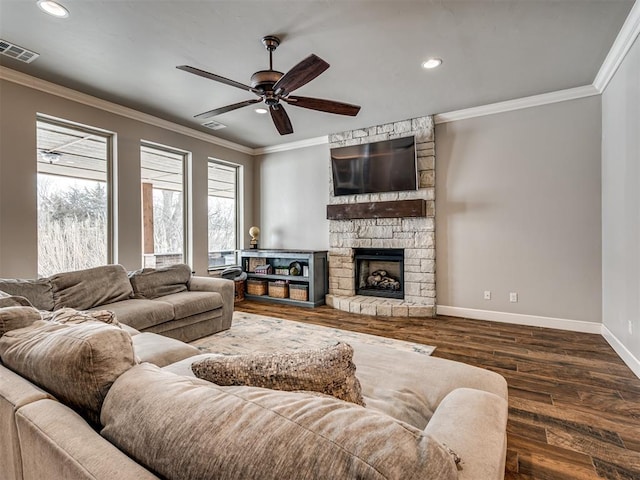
<point>574,406</point>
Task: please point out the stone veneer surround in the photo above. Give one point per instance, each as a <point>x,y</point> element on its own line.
<point>416,235</point>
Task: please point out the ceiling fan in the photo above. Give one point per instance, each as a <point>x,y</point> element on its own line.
<point>273,87</point>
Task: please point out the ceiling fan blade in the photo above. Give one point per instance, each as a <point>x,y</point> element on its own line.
<point>322,105</point>
<point>228,108</point>
<point>213,76</point>
<point>301,74</point>
<point>281,119</point>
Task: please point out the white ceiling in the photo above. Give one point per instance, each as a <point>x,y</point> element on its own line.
<point>493,50</point>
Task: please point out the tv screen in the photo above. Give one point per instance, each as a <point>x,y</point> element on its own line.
<point>387,166</point>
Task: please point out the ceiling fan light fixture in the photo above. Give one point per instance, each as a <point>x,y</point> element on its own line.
<point>432,63</point>
<point>261,110</point>
<point>52,8</point>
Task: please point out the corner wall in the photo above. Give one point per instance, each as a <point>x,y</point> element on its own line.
<point>621,209</point>
<point>18,177</point>
<point>518,202</point>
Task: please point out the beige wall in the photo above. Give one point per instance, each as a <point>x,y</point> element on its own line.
<point>18,232</point>
<point>518,210</point>
<point>621,203</point>
<point>293,198</point>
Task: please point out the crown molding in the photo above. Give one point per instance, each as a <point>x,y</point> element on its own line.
<point>91,101</point>
<point>283,147</point>
<point>517,104</point>
<point>623,42</point>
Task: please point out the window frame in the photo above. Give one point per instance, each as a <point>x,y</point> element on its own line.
<point>187,234</point>
<point>239,171</point>
<point>110,174</point>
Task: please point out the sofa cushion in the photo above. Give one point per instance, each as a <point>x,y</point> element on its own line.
<point>247,432</point>
<point>139,313</point>
<point>12,318</point>
<point>161,350</point>
<point>152,283</point>
<point>38,292</point>
<point>85,289</point>
<point>329,370</point>
<point>186,304</point>
<point>77,363</point>
<point>7,300</point>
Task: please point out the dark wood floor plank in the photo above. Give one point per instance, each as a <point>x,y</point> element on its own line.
<point>574,406</point>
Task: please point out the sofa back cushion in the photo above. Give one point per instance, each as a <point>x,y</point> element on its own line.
<point>85,289</point>
<point>77,363</point>
<point>152,283</point>
<point>38,292</point>
<point>183,427</point>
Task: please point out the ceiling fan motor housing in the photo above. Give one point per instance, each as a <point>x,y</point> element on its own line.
<point>265,79</point>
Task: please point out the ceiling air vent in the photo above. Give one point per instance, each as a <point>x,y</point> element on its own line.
<point>14,51</point>
<point>213,125</point>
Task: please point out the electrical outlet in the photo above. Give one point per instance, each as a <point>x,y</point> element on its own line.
<point>513,297</point>
<point>630,328</point>
<point>487,294</point>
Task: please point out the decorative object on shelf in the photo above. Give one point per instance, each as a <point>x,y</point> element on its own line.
<point>255,233</point>
<point>255,262</point>
<point>263,269</point>
<point>278,289</point>
<point>305,270</point>
<point>295,269</point>
<point>282,270</point>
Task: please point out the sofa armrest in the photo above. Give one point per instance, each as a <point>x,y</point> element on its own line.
<point>473,423</point>
<point>57,443</point>
<point>224,287</point>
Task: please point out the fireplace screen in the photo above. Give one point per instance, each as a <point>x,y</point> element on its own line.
<point>380,272</point>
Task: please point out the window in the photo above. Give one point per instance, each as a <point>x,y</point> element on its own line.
<point>163,205</point>
<point>74,227</point>
<point>223,224</point>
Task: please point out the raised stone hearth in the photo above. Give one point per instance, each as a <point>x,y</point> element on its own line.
<point>414,234</point>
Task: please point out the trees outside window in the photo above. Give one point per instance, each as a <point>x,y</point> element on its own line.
<point>73,165</point>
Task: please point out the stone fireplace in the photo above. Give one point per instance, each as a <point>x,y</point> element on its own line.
<point>413,234</point>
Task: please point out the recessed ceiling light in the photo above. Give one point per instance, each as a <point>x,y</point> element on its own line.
<point>261,111</point>
<point>53,8</point>
<point>432,63</point>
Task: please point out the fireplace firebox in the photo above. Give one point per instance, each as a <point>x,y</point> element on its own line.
<point>379,272</point>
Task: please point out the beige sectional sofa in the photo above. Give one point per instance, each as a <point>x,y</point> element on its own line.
<point>109,411</point>
<point>168,301</point>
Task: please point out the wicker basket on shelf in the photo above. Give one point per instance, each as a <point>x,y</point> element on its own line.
<point>256,287</point>
<point>278,290</point>
<point>299,292</point>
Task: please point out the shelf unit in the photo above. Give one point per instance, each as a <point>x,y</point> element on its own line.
<point>317,279</point>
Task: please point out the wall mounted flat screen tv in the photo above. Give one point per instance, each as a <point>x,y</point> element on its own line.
<point>387,166</point>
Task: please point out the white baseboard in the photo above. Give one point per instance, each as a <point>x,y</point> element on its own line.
<point>627,357</point>
<point>520,319</point>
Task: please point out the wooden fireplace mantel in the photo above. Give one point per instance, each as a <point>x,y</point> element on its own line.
<point>392,209</point>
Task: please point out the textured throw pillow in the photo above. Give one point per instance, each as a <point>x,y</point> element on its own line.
<point>38,292</point>
<point>152,283</point>
<point>75,363</point>
<point>70,315</point>
<point>12,318</point>
<point>329,370</point>
<point>85,289</point>
<point>182,427</point>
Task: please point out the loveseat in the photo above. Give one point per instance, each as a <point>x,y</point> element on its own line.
<point>77,403</point>
<point>168,301</point>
